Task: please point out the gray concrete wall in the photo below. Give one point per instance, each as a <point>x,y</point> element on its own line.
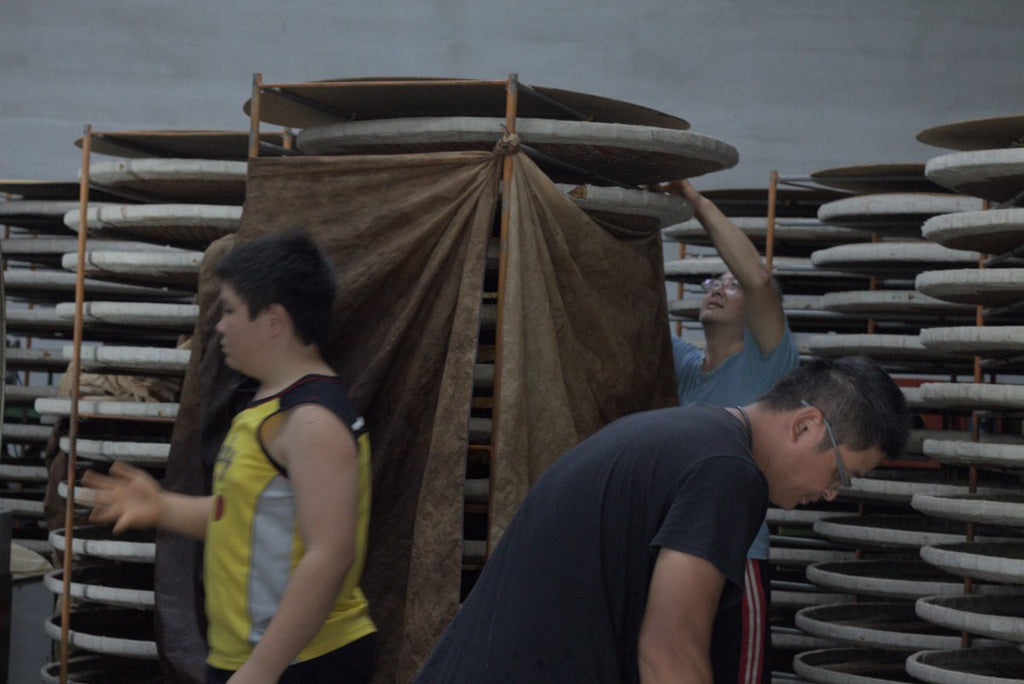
<point>795,85</point>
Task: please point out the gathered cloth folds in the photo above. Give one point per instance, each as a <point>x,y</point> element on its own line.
<point>583,340</point>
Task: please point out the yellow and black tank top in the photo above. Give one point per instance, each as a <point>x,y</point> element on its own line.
<point>253,540</point>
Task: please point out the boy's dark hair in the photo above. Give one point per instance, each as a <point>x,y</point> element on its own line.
<point>862,402</point>
<point>287,269</point>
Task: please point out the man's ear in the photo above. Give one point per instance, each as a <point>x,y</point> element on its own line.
<point>803,422</point>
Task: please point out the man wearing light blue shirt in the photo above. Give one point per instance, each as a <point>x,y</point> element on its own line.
<point>748,347</point>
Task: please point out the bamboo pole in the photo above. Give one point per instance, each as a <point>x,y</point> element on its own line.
<point>254,115</point>
<point>75,370</point>
<point>507,167</point>
<point>769,239</point>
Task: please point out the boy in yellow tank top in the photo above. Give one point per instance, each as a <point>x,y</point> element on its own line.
<point>286,523</point>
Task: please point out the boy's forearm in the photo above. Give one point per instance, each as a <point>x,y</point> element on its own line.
<point>184,514</point>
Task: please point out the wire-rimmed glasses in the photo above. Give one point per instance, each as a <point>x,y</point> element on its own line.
<point>843,477</point>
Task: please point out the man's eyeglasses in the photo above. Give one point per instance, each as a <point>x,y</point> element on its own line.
<point>731,286</point>
<point>844,479</point>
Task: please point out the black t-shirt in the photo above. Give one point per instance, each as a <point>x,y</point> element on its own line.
<point>562,597</point>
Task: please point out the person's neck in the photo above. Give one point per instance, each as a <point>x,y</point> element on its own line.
<point>290,368</point>
<point>720,342</point>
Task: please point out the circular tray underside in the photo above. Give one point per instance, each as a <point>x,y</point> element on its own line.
<point>15,395</point>
<point>316,103</point>
<point>698,268</point>
<point>174,180</point>
<point>100,669</point>
<point>25,503</point>
<point>108,408</point>
<point>890,579</point>
<point>18,433</point>
<point>881,346</point>
<point>134,546</point>
<point>901,486</point>
<point>795,516</point>
<point>119,631</point>
<point>782,599</point>
<point>780,555</point>
<point>901,213</point>
<point>915,442</point>
<point>900,302</point>
<point>792,639</point>
<point>20,358</point>
<point>789,202</point>
<point>892,258</point>
<point>47,190</point>
<point>977,453</point>
<point>994,561</point>
<point>989,341</point>
<point>898,531</point>
<point>852,666</point>
<point>142,453</point>
<point>176,224</point>
<point>147,314</point>
<point>179,269</point>
<point>972,396</point>
<point>976,134</point>
<point>997,617</point>
<point>10,472</point>
<point>987,287</point>
<point>993,509</point>
<point>796,230</point>
<point>38,216</point>
<point>991,174</point>
<point>50,285</point>
<point>995,231</point>
<point>111,585</point>
<point>624,153</point>
<point>890,626</point>
<point>1000,665</point>
<point>131,359</point>
<point>637,209</point>
<point>187,144</point>
<point>877,178</point>
<point>50,250</point>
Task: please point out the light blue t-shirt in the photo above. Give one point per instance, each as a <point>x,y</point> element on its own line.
<point>742,379</point>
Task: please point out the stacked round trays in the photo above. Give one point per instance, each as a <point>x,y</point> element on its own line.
<point>915,611</point>
<point>141,263</point>
<point>989,164</point>
<point>868,629</point>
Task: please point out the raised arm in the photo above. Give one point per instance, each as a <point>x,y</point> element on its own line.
<point>675,635</point>
<point>321,457</point>
<point>763,309</point>
<point>131,498</point>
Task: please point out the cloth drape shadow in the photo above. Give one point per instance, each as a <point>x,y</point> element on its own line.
<point>408,234</point>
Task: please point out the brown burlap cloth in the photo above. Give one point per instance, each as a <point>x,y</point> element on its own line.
<point>584,341</point>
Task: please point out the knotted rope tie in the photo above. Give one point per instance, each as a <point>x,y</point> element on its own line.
<point>508,144</point>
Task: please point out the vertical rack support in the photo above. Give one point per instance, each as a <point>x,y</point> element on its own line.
<point>769,240</point>
<point>76,372</point>
<point>511,107</point>
<point>254,115</point>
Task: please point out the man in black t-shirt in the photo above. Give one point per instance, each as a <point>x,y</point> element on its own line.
<point>616,562</point>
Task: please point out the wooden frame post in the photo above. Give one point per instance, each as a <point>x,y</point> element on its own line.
<point>254,115</point>
<point>76,373</point>
<point>507,168</point>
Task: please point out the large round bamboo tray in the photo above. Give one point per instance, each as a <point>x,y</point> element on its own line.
<point>996,175</point>
<point>996,665</point>
<point>998,617</point>
<point>994,561</point>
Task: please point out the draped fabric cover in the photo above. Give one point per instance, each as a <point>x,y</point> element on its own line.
<point>585,341</point>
